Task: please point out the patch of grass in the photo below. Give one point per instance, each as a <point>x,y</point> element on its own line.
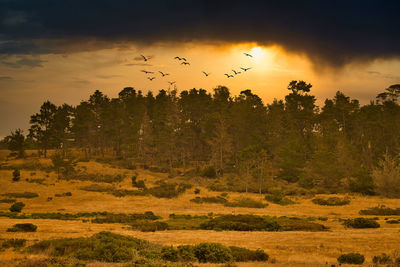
<point>186,222</point>
<point>21,195</point>
<point>125,218</point>
<point>37,181</point>
<point>361,223</point>
<point>246,203</point>
<point>66,194</point>
<point>99,178</point>
<point>241,223</point>
<point>298,224</point>
<point>380,211</point>
<point>23,227</point>
<point>243,254</point>
<point>13,243</point>
<point>112,190</point>
<point>146,226</point>
<point>351,258</point>
<point>393,221</point>
<point>168,190</point>
<point>217,199</point>
<point>382,259</point>
<point>332,201</point>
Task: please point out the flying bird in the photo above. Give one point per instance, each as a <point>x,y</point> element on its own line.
<point>245,69</point>
<point>171,83</point>
<point>144,58</point>
<point>184,59</point>
<point>228,76</point>
<point>178,58</point>
<point>185,63</point>
<point>205,73</point>
<point>163,74</point>
<point>147,72</point>
<point>247,54</point>
<point>151,78</point>
<point>236,72</point>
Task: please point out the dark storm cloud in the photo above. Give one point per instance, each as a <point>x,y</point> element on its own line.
<point>334,32</point>
<point>24,62</point>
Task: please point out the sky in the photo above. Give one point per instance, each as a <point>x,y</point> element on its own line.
<point>63,51</point>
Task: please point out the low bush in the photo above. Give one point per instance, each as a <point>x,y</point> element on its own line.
<point>241,223</point>
<point>146,226</point>
<point>351,258</point>
<point>209,172</point>
<point>197,191</point>
<point>382,259</point>
<point>168,190</point>
<point>23,227</point>
<point>361,223</point>
<point>16,175</point>
<point>112,190</point>
<point>37,181</point>
<point>66,194</point>
<point>186,253</point>
<point>169,254</point>
<point>17,207</point>
<point>217,199</point>
<point>212,252</point>
<point>332,201</point>
<point>95,177</point>
<point>297,224</point>
<point>21,195</point>
<point>393,221</point>
<point>243,254</point>
<point>279,198</point>
<point>8,200</point>
<point>246,203</point>
<point>380,211</point>
<point>13,243</point>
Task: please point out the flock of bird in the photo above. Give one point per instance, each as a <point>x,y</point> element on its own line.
<point>183,61</point>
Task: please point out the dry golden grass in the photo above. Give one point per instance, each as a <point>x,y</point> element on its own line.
<point>288,248</point>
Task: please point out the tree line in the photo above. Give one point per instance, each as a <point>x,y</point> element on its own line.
<point>290,139</point>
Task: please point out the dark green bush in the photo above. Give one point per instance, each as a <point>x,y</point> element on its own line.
<point>332,201</point>
<point>209,172</point>
<point>16,175</point>
<point>212,252</point>
<point>361,223</point>
<point>241,223</point>
<point>21,195</point>
<point>382,259</point>
<point>361,182</point>
<point>17,207</point>
<point>169,254</point>
<point>297,224</point>
<point>66,194</point>
<point>168,190</point>
<point>217,199</point>
<point>140,184</point>
<point>393,221</point>
<point>197,191</point>
<point>146,226</point>
<point>23,227</point>
<point>14,243</point>
<point>351,258</point>
<point>244,254</point>
<point>246,203</point>
<point>380,211</point>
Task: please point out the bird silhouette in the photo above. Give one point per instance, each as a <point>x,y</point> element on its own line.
<point>228,76</point>
<point>236,72</point>
<point>247,54</point>
<point>178,58</point>
<point>163,74</point>
<point>147,72</point>
<point>145,58</point>
<point>171,83</point>
<point>184,59</point>
<point>185,63</point>
<point>151,78</point>
<point>205,73</point>
<point>245,69</point>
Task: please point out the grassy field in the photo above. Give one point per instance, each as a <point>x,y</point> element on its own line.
<point>292,248</point>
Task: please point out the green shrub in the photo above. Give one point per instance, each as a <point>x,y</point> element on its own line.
<point>186,253</point>
<point>17,207</point>
<point>361,182</point>
<point>140,184</point>
<point>332,201</point>
<point>197,191</point>
<point>23,227</point>
<point>382,259</point>
<point>169,254</point>
<point>241,223</point>
<point>66,194</point>
<point>212,252</point>
<point>209,172</point>
<point>297,224</point>
<point>393,221</point>
<point>218,199</point>
<point>246,203</point>
<point>146,226</point>
<point>14,243</point>
<point>361,223</point>
<point>244,254</point>
<point>168,190</point>
<point>21,195</point>
<point>351,258</point>
<point>16,175</point>
<point>380,211</point>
